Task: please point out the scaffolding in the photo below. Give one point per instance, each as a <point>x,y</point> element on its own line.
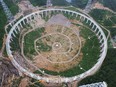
<point>7,11</point>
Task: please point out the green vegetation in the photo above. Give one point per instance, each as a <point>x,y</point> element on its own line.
<point>3,21</point>
<point>113,18</point>
<point>91,49</point>
<point>113,31</point>
<point>43,2</point>
<point>46,18</point>
<point>29,41</point>
<point>38,2</point>
<point>106,19</point>
<point>109,3</point>
<point>73,8</point>
<point>16,82</point>
<point>103,17</point>
<point>43,47</point>
<point>79,3</point>
<point>59,2</point>
<point>15,43</point>
<point>12,6</point>
<point>107,72</point>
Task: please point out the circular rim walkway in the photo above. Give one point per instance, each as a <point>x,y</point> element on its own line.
<point>94,27</point>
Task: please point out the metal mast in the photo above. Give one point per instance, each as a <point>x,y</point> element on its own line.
<point>48,3</point>
<point>7,11</point>
<point>90,5</point>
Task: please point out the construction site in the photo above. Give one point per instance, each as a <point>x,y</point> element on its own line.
<point>52,46</point>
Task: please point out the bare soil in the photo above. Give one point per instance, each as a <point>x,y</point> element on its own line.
<point>50,60</point>
<point>41,60</point>
<point>100,6</point>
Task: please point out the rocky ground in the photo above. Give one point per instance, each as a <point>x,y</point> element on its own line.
<point>7,73</point>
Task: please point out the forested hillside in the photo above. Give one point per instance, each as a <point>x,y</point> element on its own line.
<point>109,3</point>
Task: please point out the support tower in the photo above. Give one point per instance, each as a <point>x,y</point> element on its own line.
<point>7,11</point>
<point>48,3</point>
